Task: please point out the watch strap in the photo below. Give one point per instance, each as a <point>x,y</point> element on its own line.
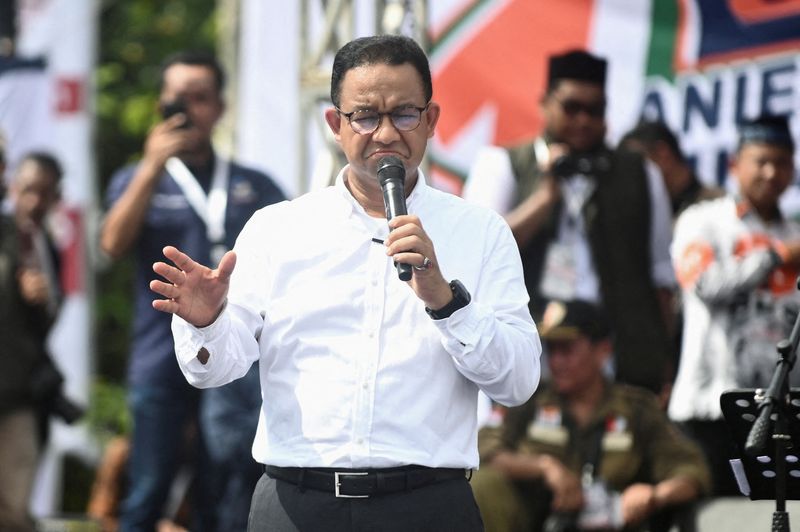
<point>461,299</point>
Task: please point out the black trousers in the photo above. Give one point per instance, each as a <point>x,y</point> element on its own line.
<point>280,506</point>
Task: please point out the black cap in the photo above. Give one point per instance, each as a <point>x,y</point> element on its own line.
<point>767,129</point>
<point>577,65</point>
<point>567,320</point>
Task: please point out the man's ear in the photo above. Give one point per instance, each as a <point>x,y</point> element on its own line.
<point>431,117</point>
<point>334,120</point>
<point>733,162</point>
<point>603,348</point>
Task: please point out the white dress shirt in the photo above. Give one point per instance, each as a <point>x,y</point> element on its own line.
<point>354,373</point>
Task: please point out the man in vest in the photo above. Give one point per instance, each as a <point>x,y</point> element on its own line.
<point>591,223</point>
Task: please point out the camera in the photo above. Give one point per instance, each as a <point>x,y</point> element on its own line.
<point>46,389</point>
<point>580,163</point>
<point>174,107</point>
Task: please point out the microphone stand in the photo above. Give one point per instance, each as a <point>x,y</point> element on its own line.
<point>775,401</point>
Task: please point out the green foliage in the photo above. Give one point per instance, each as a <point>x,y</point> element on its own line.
<point>135,36</point>
<point>108,413</point>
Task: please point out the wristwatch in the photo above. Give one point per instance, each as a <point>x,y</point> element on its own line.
<point>460,299</point>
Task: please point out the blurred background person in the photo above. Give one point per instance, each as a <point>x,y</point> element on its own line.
<point>30,296</point>
<point>584,452</point>
<point>658,143</point>
<point>590,222</point>
<point>181,193</point>
<point>737,259</point>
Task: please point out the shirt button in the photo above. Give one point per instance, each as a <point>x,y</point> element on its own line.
<point>365,385</point>
<point>360,441</point>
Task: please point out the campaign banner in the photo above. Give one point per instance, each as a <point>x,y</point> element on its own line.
<point>701,66</point>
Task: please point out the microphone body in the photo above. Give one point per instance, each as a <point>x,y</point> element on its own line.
<point>392,177</point>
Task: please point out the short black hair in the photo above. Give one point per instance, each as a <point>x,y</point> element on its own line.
<point>386,49</point>
<point>195,58</point>
<point>649,132</point>
<point>46,161</point>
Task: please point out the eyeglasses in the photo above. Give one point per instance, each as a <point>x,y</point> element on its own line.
<point>573,107</point>
<point>366,121</point>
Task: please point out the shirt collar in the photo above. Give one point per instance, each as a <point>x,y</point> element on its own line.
<point>744,209</point>
<point>413,201</point>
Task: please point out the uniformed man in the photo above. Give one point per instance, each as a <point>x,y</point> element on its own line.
<point>584,452</point>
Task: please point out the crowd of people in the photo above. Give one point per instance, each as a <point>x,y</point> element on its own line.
<point>286,377</point>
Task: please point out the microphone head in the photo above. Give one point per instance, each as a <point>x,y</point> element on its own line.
<point>391,167</point>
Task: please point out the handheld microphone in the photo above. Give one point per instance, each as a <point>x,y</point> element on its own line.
<point>392,176</point>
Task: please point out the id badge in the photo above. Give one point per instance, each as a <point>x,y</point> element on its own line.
<point>560,275</point>
<point>602,508</point>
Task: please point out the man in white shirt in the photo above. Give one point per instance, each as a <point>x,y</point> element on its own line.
<point>737,259</point>
<point>369,383</point>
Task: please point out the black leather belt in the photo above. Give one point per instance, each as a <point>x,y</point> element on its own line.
<point>363,483</point>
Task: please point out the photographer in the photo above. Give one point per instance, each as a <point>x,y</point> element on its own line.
<point>591,223</point>
<point>30,295</point>
<point>183,193</point>
<point>584,453</point>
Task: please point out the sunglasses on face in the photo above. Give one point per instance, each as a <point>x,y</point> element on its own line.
<point>573,108</point>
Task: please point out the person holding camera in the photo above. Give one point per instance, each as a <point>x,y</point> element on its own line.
<point>584,453</point>
<point>30,297</point>
<point>591,223</point>
<point>183,193</point>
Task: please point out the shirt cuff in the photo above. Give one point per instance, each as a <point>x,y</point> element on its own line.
<point>461,329</point>
<point>190,339</point>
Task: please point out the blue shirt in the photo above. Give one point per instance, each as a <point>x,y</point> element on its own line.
<point>170,220</point>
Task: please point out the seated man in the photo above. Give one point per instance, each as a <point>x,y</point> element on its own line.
<point>584,452</point>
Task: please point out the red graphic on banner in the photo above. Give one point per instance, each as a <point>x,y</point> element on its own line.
<point>69,95</point>
<point>761,10</point>
<point>70,240</point>
<point>505,64</point>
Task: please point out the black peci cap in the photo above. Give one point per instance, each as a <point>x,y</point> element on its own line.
<point>576,65</point>
<point>767,129</point>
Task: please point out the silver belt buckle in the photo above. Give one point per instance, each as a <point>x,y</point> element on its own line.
<point>337,484</point>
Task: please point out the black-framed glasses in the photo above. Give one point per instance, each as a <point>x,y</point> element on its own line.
<point>573,107</point>
<point>366,121</point>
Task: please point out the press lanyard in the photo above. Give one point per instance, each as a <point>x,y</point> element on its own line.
<point>210,208</point>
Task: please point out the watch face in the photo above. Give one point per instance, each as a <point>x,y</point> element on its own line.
<point>460,300</point>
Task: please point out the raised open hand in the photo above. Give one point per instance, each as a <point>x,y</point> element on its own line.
<point>193,291</point>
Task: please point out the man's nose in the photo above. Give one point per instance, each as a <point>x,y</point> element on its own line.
<point>386,132</point>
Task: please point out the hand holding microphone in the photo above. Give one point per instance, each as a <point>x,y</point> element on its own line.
<point>408,238</point>
<point>392,177</point>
